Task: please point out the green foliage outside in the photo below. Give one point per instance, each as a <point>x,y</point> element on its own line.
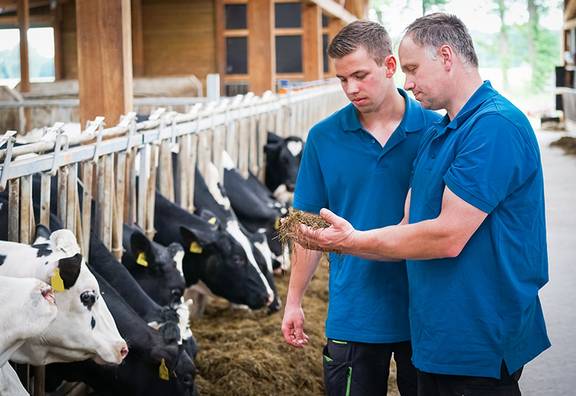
<point>40,66</point>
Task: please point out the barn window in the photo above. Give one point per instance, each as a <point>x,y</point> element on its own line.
<point>40,55</point>
<point>288,15</point>
<point>288,54</point>
<point>235,16</point>
<point>325,20</point>
<point>236,55</point>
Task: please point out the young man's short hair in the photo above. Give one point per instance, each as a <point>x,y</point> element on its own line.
<point>370,35</point>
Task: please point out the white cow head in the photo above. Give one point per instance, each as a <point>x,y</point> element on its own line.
<point>28,307</point>
<point>84,327</point>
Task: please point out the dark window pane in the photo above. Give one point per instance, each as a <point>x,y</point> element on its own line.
<point>288,15</point>
<point>236,55</point>
<point>235,16</point>
<point>288,54</point>
<point>325,52</point>
<point>325,20</point>
<point>233,89</point>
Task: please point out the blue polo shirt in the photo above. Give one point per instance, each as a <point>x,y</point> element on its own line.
<point>346,170</point>
<point>471,312</point>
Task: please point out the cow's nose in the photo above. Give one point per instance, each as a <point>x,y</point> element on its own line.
<point>176,293</point>
<point>187,380</point>
<point>124,351</point>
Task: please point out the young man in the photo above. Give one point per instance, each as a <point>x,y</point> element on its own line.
<point>476,240</point>
<point>358,162</point>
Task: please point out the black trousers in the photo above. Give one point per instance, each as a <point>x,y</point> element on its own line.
<point>460,385</point>
<point>360,369</point>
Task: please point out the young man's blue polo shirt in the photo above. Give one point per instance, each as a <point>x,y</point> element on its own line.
<point>472,312</point>
<point>346,170</point>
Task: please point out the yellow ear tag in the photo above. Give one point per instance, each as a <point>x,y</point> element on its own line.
<point>195,248</point>
<point>141,260</point>
<point>212,220</point>
<point>163,372</point>
<point>277,223</point>
<point>56,281</point>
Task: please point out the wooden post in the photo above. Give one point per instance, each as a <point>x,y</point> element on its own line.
<point>24,23</point>
<point>25,208</point>
<point>261,48</point>
<point>57,26</point>
<point>45,199</point>
<point>87,176</point>
<point>137,39</point>
<point>71,196</point>
<point>104,58</point>
<point>312,41</point>
<point>334,26</point>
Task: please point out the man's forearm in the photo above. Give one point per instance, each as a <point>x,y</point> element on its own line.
<point>423,240</point>
<point>303,266</point>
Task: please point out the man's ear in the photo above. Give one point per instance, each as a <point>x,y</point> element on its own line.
<point>446,55</point>
<point>390,64</point>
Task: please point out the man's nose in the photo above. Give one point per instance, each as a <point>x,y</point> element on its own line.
<point>352,88</point>
<point>408,85</point>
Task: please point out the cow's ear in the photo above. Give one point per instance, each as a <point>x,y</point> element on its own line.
<point>141,249</point>
<point>210,218</point>
<point>272,149</point>
<point>69,269</point>
<point>42,232</point>
<point>193,241</point>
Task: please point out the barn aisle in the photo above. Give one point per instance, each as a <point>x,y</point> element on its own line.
<point>552,373</point>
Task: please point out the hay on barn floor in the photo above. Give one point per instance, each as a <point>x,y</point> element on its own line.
<point>243,352</point>
<point>568,143</point>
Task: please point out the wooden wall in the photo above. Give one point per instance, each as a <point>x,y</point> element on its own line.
<point>179,38</point>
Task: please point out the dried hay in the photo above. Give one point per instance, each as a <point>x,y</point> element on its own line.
<point>568,143</point>
<point>243,352</point>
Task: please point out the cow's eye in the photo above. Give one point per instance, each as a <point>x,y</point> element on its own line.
<point>88,298</point>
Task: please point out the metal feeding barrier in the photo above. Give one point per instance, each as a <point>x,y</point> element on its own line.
<point>120,167</point>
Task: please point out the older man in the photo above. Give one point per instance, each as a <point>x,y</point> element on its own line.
<point>475,241</point>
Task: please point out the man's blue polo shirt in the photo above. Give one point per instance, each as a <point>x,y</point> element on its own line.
<point>471,312</point>
<point>346,170</point>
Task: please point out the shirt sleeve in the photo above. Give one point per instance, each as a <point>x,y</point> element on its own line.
<point>310,192</point>
<point>492,161</point>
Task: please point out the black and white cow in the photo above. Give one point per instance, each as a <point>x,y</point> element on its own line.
<point>212,256</point>
<point>209,195</point>
<point>84,327</point>
<point>152,367</point>
<point>158,269</point>
<point>283,156</point>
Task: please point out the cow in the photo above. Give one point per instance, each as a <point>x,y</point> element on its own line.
<point>283,156</point>
<point>210,195</point>
<point>152,367</point>
<point>157,269</point>
<point>212,256</point>
<point>84,327</point>
<point>28,308</point>
<point>256,209</point>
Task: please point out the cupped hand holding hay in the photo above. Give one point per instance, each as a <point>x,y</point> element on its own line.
<point>326,232</point>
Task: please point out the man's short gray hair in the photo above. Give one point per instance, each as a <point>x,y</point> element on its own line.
<point>370,35</point>
<point>435,30</point>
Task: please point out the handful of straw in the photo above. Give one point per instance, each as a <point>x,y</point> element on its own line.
<point>289,226</point>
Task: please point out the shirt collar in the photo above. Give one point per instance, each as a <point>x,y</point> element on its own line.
<point>412,120</point>
<point>482,94</point>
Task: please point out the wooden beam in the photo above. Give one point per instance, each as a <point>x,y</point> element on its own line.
<point>334,26</point>
<point>11,22</point>
<point>104,59</point>
<point>569,9</point>
<point>220,41</point>
<point>312,42</point>
<point>336,10</point>
<point>57,26</point>
<point>24,24</point>
<point>261,55</point>
<point>137,39</point>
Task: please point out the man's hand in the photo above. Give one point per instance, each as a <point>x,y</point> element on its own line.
<point>336,238</point>
<point>293,326</point>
